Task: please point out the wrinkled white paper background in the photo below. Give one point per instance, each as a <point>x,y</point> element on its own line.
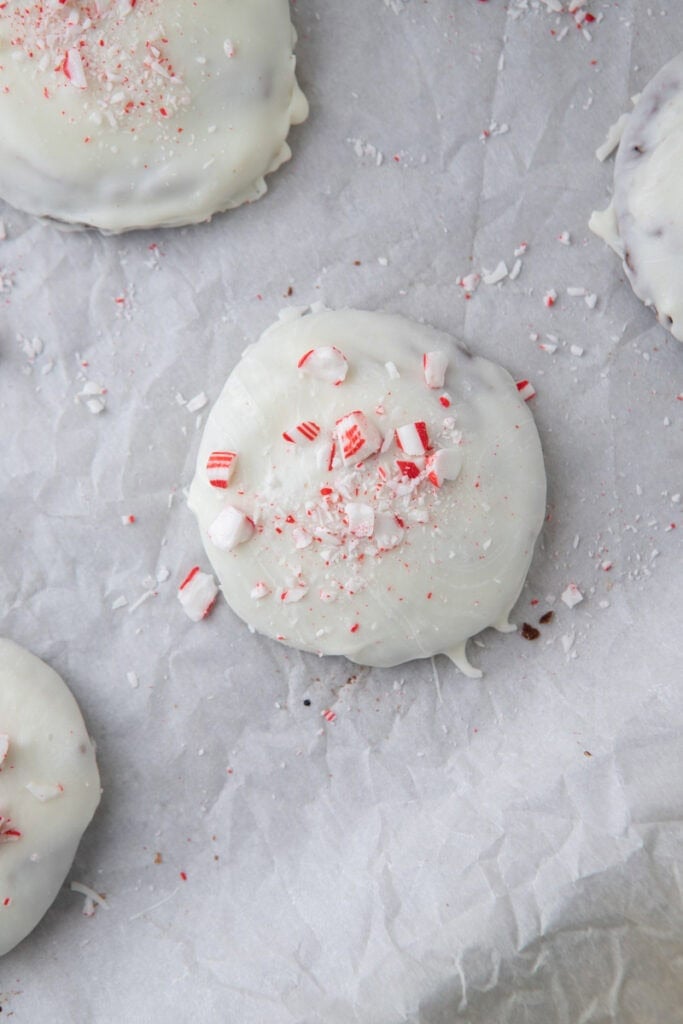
<point>445,850</point>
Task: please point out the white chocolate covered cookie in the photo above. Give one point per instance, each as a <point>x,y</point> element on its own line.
<point>130,114</point>
<point>49,789</point>
<point>644,222</point>
<point>366,487</point>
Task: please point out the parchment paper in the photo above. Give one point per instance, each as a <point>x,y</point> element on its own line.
<point>445,850</point>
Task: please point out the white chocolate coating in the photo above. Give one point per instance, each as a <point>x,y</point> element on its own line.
<point>644,223</point>
<point>128,114</point>
<point>338,573</point>
<point>49,789</point>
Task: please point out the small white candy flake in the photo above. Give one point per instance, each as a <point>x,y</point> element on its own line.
<point>120,602</point>
<point>197,403</point>
<point>576,350</point>
<point>133,680</point>
<point>44,791</point>
<point>326,363</point>
<point>392,370</point>
<point>572,595</point>
<point>494,276</point>
<point>259,591</point>
<point>564,238</point>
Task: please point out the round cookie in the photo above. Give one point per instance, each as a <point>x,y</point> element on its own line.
<point>366,487</point>
<point>126,114</point>
<point>645,220</point>
<point>49,789</point>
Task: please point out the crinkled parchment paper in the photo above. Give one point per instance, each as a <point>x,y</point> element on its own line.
<point>444,850</point>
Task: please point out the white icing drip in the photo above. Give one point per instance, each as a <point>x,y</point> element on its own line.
<point>413,568</point>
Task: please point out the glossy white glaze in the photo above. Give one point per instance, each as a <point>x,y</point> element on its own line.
<point>49,789</point>
<point>154,113</point>
<point>439,563</point>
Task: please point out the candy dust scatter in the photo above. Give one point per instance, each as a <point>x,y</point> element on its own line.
<point>6,281</point>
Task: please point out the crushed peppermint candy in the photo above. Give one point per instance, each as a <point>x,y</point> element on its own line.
<point>435,365</point>
<point>327,363</point>
<point>82,47</point>
<point>358,437</point>
<point>571,595</point>
<point>308,431</point>
<point>526,390</point>
<point>220,467</point>
<point>231,528</point>
<point>259,591</point>
<point>444,464</point>
<point>197,594</point>
<point>8,834</point>
<point>413,439</point>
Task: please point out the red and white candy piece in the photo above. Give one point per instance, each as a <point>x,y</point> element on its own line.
<point>230,529</point>
<point>358,437</point>
<point>259,591</point>
<point>413,439</point>
<point>327,363</point>
<point>435,365</point>
<point>4,747</point>
<point>526,389</point>
<point>308,431</point>
<point>444,464</point>
<point>361,518</point>
<point>292,595</point>
<point>219,467</point>
<point>8,834</point>
<point>72,66</point>
<point>197,594</point>
<point>410,467</point>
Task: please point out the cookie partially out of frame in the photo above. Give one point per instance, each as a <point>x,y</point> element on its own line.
<point>49,789</point>
<point>366,487</point>
<point>644,222</point>
<point>127,114</point>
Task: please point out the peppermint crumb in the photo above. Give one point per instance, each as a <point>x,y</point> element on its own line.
<point>530,632</point>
